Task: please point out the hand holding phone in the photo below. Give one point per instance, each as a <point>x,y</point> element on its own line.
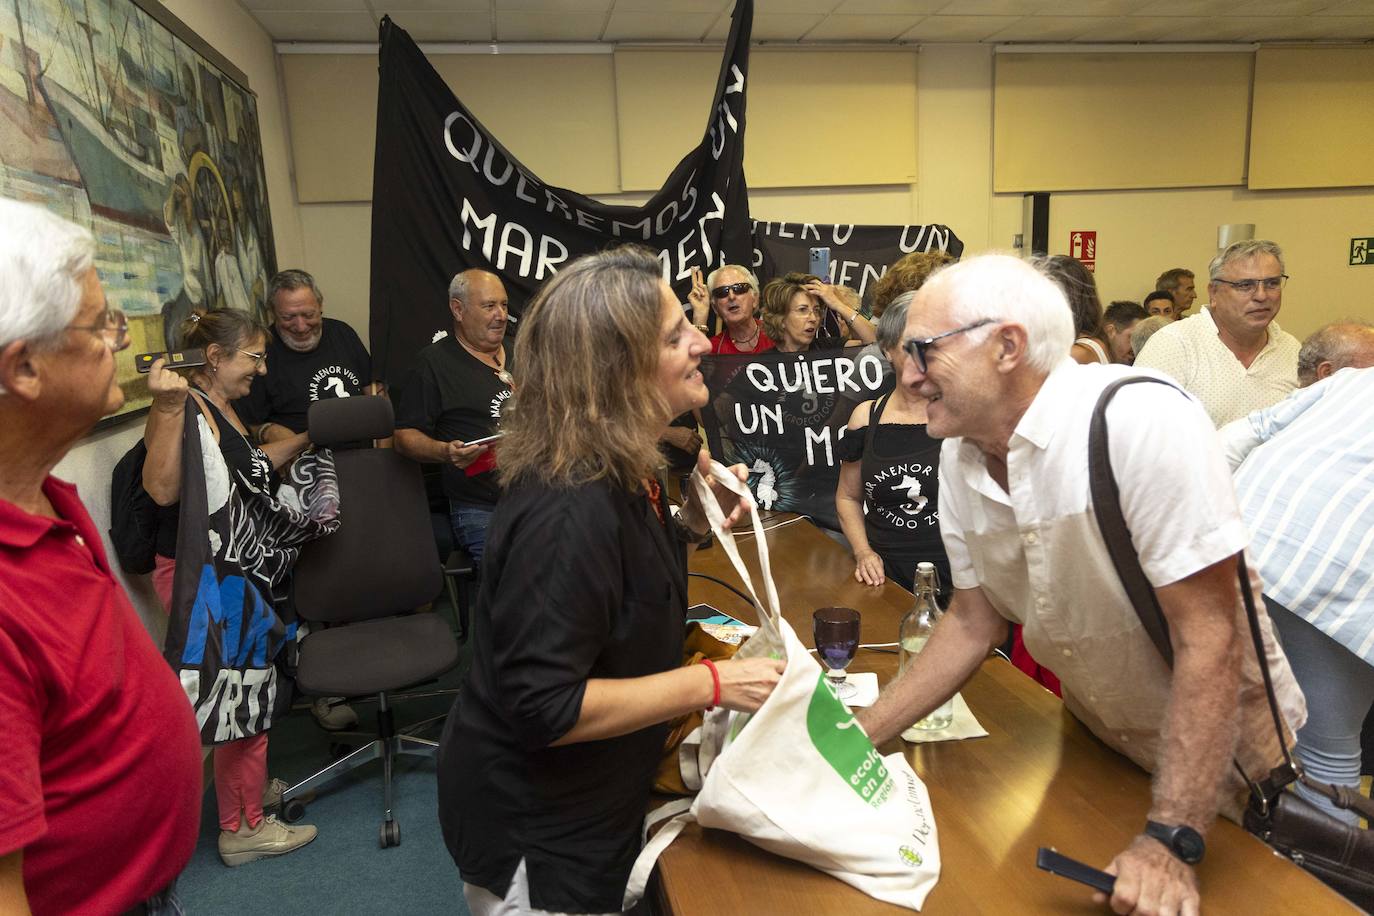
<point>176,359</point>
<point>820,263</point>
<point>1064,867</point>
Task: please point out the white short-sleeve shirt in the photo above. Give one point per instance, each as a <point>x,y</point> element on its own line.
<point>1038,555</point>
<point>1193,355</point>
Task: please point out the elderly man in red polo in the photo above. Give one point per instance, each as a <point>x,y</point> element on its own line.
<point>100,758</point>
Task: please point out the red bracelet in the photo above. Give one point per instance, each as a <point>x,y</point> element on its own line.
<point>715,681</point>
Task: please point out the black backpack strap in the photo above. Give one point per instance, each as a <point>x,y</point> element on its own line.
<point>1106,498</point>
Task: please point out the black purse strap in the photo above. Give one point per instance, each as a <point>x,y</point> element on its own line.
<point>1106,498</point>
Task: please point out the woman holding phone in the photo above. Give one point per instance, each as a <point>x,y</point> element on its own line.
<point>547,760</point>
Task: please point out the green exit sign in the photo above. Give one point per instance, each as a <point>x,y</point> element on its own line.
<point>1361,251</point>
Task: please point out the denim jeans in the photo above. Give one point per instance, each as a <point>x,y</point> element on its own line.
<point>1339,686</point>
<point>470,528</point>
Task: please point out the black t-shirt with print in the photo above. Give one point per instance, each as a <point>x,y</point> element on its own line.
<point>899,474</point>
<point>450,394</point>
<point>338,367</point>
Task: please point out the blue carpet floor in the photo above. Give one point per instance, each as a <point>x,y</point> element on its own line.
<point>343,871</point>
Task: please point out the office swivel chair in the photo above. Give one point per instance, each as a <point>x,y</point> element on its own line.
<point>364,581</point>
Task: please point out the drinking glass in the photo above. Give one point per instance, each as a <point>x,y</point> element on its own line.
<point>836,631</point>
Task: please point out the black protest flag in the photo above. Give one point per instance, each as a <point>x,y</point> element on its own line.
<point>448,196</point>
<point>782,415</point>
<point>859,255</point>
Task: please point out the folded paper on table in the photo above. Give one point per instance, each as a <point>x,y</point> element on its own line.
<point>963,725</point>
<point>865,684</point>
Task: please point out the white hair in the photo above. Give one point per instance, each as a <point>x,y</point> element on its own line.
<point>43,260</point>
<point>749,275</point>
<point>1244,250</point>
<point>1004,288</point>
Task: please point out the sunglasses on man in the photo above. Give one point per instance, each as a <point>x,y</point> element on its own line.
<point>739,289</point>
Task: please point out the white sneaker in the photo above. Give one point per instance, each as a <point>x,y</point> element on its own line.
<point>271,838</point>
<point>333,714</point>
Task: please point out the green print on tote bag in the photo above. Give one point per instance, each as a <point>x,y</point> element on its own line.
<point>837,736</point>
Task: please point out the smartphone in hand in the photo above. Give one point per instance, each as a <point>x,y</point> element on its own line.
<point>820,263</point>
<point>486,440</point>
<point>1074,870</point>
<point>176,359</point>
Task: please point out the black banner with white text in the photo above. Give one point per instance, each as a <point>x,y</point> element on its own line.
<point>781,415</point>
<point>859,255</point>
<point>447,196</point>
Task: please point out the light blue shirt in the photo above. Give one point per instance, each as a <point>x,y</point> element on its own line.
<point>1305,480</point>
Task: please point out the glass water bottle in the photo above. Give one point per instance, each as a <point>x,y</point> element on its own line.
<point>915,632</point>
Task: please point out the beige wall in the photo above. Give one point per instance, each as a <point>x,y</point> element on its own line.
<point>230,30</point>
<point>1140,232</point>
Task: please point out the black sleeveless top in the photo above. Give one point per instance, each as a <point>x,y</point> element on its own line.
<point>899,477</point>
<point>242,457</point>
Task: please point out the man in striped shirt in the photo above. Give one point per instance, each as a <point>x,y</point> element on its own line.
<point>1304,473</point>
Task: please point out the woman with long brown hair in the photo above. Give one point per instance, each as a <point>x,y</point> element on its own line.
<point>547,760</point>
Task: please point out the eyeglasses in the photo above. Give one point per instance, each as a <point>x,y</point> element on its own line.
<point>817,310</point>
<point>1249,285</point>
<point>916,347</point>
<point>257,357</point>
<point>112,327</point>
<point>739,289</point>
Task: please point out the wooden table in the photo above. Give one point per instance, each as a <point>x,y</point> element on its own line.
<point>1039,779</point>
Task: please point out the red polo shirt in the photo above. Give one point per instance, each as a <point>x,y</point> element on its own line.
<point>99,754</point>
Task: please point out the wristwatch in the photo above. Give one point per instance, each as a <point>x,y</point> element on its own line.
<point>1183,841</point>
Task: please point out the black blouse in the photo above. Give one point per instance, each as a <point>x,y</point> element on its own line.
<point>578,583</point>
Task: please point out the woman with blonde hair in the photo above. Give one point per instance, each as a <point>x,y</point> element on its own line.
<point>794,307</point>
<point>548,757</point>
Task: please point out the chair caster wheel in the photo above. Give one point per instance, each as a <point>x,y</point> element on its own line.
<point>389,835</point>
<point>293,811</point>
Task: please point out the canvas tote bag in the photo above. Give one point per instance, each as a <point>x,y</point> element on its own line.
<point>799,777</point>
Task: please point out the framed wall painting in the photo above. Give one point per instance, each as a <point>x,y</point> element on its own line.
<point>116,116</point>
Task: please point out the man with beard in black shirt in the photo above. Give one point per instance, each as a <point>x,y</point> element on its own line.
<point>454,396</point>
<point>309,358</point>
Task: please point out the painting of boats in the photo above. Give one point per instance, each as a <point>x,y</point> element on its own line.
<point>113,121</point>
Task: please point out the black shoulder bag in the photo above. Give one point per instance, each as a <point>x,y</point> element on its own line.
<point>1341,855</point>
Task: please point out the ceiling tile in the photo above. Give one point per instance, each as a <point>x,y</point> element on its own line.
<point>918,7</point>
<point>673,6</point>
<point>431,6</point>
<point>1282,7</point>
<point>1241,28</point>
<point>427,25</point>
<point>1091,8</point>
<point>1354,28</point>
<point>996,7</point>
<point>306,5</point>
<point>638,26</point>
<point>545,6</point>
<point>1135,28</point>
<point>313,25</point>
<point>862,28</point>
<point>519,25</point>
<point>789,7</point>
<point>1348,8</point>
<point>1048,28</point>
<point>769,27</point>
<point>958,28</point>
<point>1186,8</point>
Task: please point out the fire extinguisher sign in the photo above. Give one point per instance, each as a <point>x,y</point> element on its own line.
<point>1083,246</point>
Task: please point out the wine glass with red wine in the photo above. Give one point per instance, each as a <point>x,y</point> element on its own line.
<point>836,631</point>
